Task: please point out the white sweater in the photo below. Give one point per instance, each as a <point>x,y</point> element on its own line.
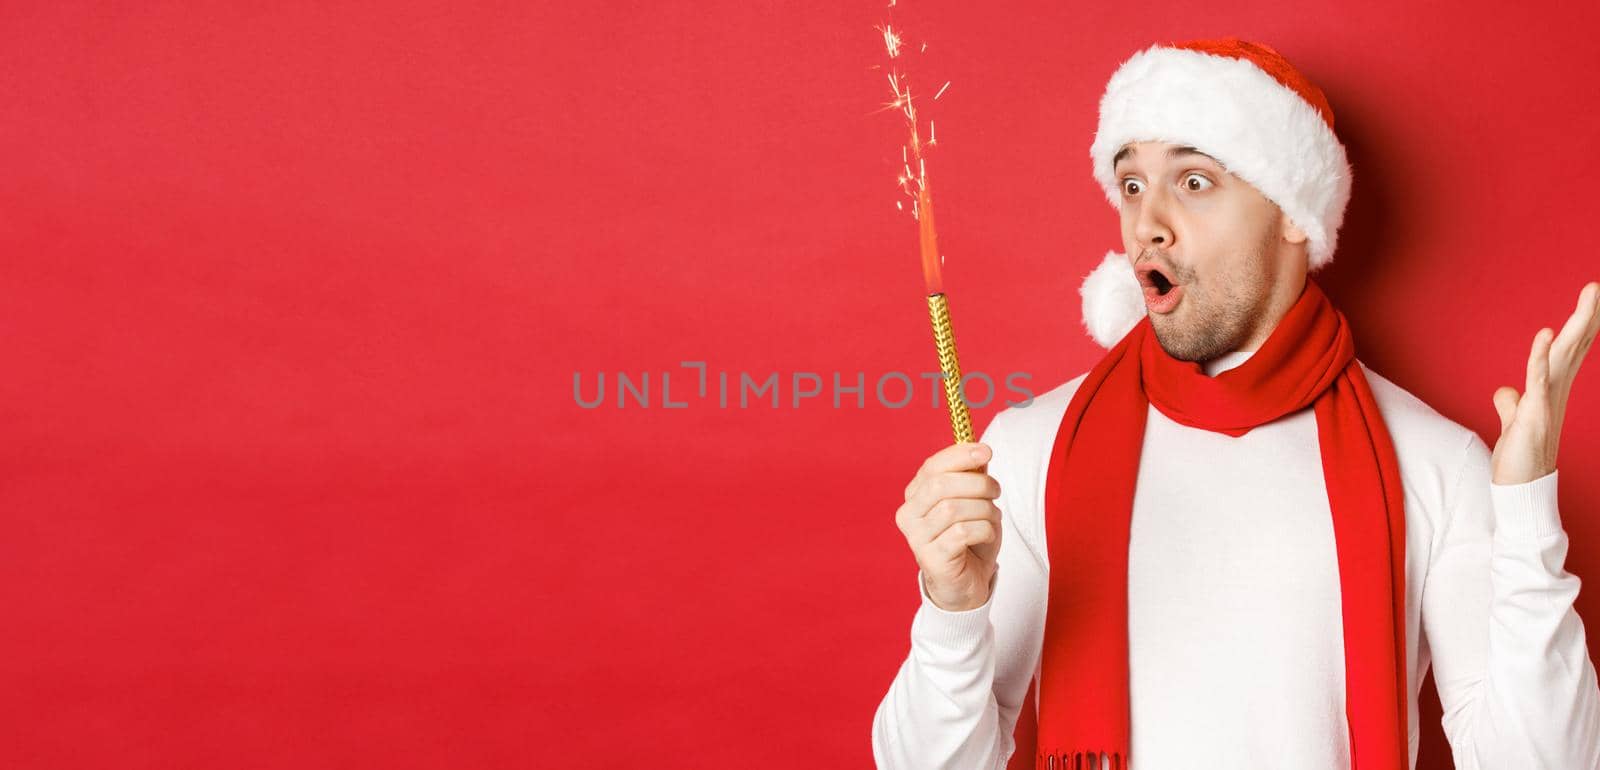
<point>1235,630</point>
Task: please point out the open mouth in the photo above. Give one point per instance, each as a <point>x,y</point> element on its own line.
<point>1161,293</point>
<point>1151,276</point>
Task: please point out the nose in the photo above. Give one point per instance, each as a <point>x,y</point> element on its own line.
<point>1152,228</point>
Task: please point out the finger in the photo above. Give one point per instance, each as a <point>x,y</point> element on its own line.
<point>953,509</point>
<point>962,456</point>
<point>1594,306</point>
<point>1593,329</point>
<point>952,484</point>
<point>967,528</point>
<point>1505,404</point>
<point>1578,332</point>
<point>1539,364</point>
<point>1591,332</point>
<point>962,534</point>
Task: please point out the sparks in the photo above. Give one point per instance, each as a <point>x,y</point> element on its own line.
<point>891,40</point>
<point>913,179</point>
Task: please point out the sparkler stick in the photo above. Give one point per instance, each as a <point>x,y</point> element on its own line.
<point>944,336</point>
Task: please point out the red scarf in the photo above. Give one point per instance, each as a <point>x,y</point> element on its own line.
<point>1309,360</point>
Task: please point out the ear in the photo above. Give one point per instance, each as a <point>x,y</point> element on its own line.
<point>1292,232</point>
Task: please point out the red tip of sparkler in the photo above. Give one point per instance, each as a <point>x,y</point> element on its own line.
<point>928,238</point>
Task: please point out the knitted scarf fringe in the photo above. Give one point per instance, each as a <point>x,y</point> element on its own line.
<point>1081,760</point>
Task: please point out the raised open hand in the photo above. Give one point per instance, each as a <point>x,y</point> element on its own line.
<point>1530,422</point>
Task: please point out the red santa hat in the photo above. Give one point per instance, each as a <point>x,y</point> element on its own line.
<point>1241,103</point>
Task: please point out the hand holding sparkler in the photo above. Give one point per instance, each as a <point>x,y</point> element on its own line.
<point>952,524</point>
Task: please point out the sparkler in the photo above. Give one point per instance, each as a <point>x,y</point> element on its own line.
<point>914,184</point>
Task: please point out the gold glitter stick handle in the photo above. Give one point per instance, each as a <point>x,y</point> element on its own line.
<point>944,337</point>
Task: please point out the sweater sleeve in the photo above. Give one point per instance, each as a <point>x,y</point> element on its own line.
<point>954,701</point>
<point>1510,660</point>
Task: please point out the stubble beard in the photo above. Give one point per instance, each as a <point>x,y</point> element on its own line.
<point>1216,316</point>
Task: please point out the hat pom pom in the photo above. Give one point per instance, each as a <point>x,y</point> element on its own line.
<point>1113,301</point>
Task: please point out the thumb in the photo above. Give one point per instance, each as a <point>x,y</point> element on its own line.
<point>1505,403</point>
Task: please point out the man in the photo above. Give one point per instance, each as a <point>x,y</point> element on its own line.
<point>1230,544</point>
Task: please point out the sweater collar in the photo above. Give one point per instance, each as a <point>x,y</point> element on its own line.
<point>1226,361</point>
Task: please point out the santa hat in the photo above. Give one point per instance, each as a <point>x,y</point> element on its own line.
<point>1241,103</point>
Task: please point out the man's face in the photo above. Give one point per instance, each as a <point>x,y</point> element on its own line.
<point>1209,249</point>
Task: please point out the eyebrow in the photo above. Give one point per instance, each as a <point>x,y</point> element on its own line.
<point>1172,152</point>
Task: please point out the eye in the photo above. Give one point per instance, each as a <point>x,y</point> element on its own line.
<point>1130,186</point>
<point>1197,183</point>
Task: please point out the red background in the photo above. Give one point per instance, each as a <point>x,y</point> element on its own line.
<point>292,298</point>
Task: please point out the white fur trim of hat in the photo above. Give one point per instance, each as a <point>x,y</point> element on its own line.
<point>1259,127</point>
